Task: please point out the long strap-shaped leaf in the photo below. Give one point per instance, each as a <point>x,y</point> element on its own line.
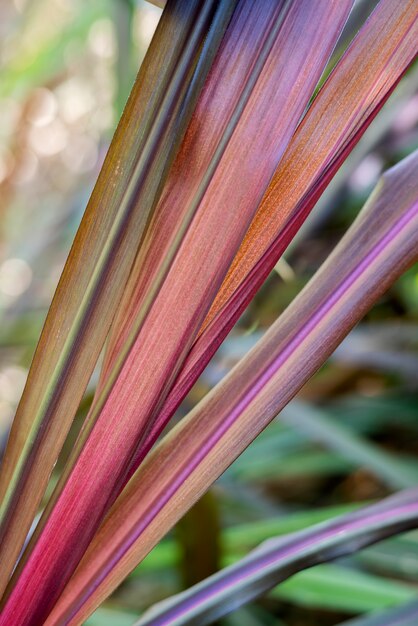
<point>164,228</point>
<point>381,244</point>
<point>320,427</point>
<point>346,105</point>
<point>279,558</point>
<point>267,107</point>
<point>394,25</point>
<point>99,264</point>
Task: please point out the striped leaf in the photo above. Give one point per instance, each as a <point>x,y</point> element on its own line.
<point>239,139</point>
<point>379,246</point>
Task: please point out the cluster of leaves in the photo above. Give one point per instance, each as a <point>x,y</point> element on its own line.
<point>221,153</point>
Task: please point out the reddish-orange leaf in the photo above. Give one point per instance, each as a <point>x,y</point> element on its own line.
<point>380,245</point>
<point>240,147</point>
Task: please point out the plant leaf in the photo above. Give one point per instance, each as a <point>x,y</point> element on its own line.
<point>371,74</point>
<point>382,243</point>
<point>279,558</point>
<point>246,141</point>
<point>319,427</point>
<point>346,105</point>
<point>405,615</point>
<point>337,588</point>
<point>237,540</point>
<point>99,264</point>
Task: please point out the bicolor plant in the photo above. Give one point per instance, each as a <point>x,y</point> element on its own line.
<point>221,153</point>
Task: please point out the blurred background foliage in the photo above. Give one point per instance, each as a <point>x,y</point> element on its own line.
<point>350,437</point>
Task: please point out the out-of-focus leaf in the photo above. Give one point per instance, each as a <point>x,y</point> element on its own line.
<point>365,349</point>
<point>343,589</point>
<point>241,538</point>
<point>404,615</point>
<point>352,447</point>
<point>239,139</point>
<point>396,557</point>
<point>110,617</point>
<point>299,464</point>
<point>99,264</point>
<point>278,559</point>
<point>382,243</point>
<point>252,616</point>
<point>280,452</point>
<point>376,412</point>
<point>237,540</point>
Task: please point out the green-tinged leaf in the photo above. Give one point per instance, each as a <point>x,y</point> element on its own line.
<point>403,615</point>
<point>252,616</point>
<point>352,447</point>
<point>382,243</point>
<point>283,451</point>
<point>237,540</point>
<point>110,617</point>
<point>294,465</point>
<point>343,589</point>
<point>246,536</point>
<point>167,554</point>
<point>377,412</point>
<point>396,557</point>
